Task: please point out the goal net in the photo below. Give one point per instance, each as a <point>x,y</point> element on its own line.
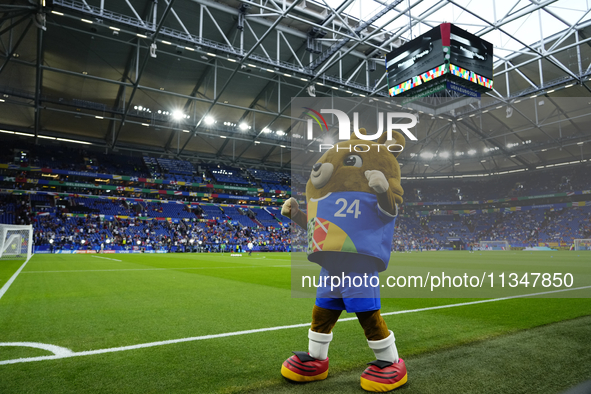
<point>16,242</point>
<point>582,244</point>
<point>494,245</point>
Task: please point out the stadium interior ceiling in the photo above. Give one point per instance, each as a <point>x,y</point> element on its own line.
<point>213,80</point>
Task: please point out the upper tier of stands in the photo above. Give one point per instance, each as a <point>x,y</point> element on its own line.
<point>531,183</point>
<point>90,162</point>
<point>546,181</point>
<point>228,175</point>
<point>269,176</point>
<point>177,170</point>
<point>244,216</point>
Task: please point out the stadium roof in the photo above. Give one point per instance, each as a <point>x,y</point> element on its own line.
<point>180,77</point>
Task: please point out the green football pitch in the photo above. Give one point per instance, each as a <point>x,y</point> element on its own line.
<point>208,323</point>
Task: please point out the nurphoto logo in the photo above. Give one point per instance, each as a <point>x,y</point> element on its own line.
<point>345,127</point>
<point>345,124</point>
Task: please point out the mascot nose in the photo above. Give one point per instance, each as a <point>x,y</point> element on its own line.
<point>316,166</point>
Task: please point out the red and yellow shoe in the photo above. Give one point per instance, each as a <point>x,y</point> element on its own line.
<point>383,376</point>
<point>301,367</point>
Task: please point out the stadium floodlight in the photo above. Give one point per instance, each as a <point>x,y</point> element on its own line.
<point>267,130</point>
<point>426,155</point>
<point>472,152</point>
<point>177,115</point>
<point>209,120</point>
<point>444,155</point>
<point>280,133</point>
<point>243,126</point>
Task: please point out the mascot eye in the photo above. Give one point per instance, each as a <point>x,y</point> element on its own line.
<point>353,161</point>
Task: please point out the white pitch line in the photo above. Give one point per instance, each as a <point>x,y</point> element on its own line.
<point>257,330</point>
<point>4,288</point>
<point>155,269</point>
<point>56,350</point>
<point>106,258</point>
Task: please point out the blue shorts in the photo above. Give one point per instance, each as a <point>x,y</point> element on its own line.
<point>355,292</point>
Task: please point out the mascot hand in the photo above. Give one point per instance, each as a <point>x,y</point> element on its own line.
<point>377,181</point>
<point>290,208</point>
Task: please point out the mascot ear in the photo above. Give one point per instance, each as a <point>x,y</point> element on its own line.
<point>397,138</point>
<point>361,131</point>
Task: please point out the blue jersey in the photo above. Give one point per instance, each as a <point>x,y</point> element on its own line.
<point>350,222</point>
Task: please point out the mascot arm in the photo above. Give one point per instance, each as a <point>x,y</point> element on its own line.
<point>387,201</point>
<point>386,197</point>
<point>291,209</point>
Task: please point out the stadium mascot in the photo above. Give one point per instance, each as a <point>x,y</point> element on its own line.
<point>352,202</point>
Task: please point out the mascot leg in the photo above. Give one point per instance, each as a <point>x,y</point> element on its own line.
<point>311,366</point>
<point>388,371</point>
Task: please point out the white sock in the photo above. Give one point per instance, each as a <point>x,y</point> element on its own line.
<point>318,344</point>
<point>385,349</point>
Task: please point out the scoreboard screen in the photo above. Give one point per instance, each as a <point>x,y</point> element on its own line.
<point>445,53</point>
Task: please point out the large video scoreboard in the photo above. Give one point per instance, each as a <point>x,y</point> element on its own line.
<point>444,57</point>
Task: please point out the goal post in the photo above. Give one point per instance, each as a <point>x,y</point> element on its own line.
<point>583,244</point>
<point>16,246</point>
<point>16,242</point>
<point>494,245</point>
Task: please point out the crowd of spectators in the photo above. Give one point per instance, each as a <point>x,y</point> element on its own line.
<point>194,228</point>
<point>56,229</point>
<point>209,229</point>
<point>15,209</point>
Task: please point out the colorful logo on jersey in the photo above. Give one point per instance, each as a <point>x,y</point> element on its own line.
<point>325,235</point>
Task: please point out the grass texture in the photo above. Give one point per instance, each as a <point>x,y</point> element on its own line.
<point>85,302</point>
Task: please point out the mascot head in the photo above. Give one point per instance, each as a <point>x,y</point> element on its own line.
<point>342,168</point>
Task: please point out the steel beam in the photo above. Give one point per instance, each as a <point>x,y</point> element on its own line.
<point>336,47</point>
<point>38,82</point>
<point>15,47</point>
<point>254,47</point>
<point>13,24</point>
<point>141,71</point>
